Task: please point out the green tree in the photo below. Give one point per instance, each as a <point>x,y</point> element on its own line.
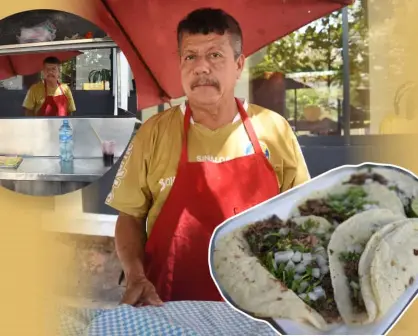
<point>317,47</point>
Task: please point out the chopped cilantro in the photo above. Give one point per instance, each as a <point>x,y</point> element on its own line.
<point>349,256</point>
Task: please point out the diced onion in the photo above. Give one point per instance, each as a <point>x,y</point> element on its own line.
<point>355,285</point>
<point>324,269</point>
<point>306,263</point>
<point>284,231</point>
<point>297,257</point>
<point>320,260</point>
<point>303,285</point>
<point>274,264</point>
<point>357,248</point>
<point>297,276</point>
<point>319,248</point>
<point>307,257</point>
<point>290,265</point>
<point>283,256</point>
<point>319,291</point>
<point>303,296</point>
<point>313,296</point>
<point>316,273</point>
<point>300,268</point>
<point>370,206</point>
<point>322,251</point>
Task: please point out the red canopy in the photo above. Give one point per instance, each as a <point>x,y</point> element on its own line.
<point>146,32</point>
<point>28,64</point>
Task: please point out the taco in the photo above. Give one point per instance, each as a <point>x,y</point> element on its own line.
<point>389,264</point>
<point>279,269</point>
<point>339,203</point>
<point>403,184</point>
<point>345,250</point>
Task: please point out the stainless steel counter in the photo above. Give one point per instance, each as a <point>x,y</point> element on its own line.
<point>39,137</point>
<point>47,177</point>
<point>50,169</point>
<point>36,140</point>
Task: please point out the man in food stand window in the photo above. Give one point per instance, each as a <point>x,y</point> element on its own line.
<point>195,165</point>
<point>49,97</point>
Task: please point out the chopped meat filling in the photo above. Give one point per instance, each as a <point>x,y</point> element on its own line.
<point>351,261</point>
<point>327,307</point>
<point>360,179</point>
<point>319,207</point>
<point>258,235</point>
<point>337,208</point>
<point>289,251</point>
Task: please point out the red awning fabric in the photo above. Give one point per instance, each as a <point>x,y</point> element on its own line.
<point>150,25</point>
<point>145,30</point>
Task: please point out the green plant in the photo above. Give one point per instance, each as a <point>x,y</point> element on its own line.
<point>103,75</point>
<point>317,48</point>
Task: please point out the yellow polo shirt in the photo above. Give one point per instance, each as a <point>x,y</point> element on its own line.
<point>149,167</point>
<point>35,97</point>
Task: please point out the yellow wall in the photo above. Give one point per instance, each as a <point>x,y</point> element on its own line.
<point>393,48</point>
<point>26,258</point>
<point>26,282</point>
<point>396,34</point>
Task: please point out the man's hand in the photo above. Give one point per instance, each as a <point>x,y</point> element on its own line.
<point>141,292</point>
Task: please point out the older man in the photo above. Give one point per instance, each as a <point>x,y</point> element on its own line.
<point>195,165</point>
<point>49,98</point>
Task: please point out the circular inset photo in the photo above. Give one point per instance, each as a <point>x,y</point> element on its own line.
<point>68,103</point>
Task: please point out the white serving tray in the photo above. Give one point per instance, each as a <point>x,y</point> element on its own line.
<point>282,205</point>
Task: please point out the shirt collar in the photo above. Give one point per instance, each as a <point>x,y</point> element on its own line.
<point>237,117</point>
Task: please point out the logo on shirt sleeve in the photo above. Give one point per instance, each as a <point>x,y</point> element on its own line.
<point>249,149</point>
<point>166,182</point>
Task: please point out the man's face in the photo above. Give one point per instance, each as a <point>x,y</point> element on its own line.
<point>209,70</point>
<point>51,72</point>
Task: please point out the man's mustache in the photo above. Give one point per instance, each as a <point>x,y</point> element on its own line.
<point>205,82</point>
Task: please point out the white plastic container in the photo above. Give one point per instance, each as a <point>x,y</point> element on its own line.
<point>281,206</point>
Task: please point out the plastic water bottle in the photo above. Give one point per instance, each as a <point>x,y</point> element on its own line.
<point>66,142</point>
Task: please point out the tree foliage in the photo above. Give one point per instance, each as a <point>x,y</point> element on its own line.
<point>317,47</point>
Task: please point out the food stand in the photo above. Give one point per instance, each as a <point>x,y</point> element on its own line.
<point>36,139</point>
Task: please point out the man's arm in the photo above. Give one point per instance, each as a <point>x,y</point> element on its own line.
<point>71,103</point>
<point>132,197</point>
<point>130,238</point>
<point>302,172</point>
<point>29,103</point>
<point>295,170</point>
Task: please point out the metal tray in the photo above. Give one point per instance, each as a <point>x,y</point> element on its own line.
<point>282,206</point>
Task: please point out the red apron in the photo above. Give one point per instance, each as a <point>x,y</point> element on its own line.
<point>203,195</point>
<point>54,106</point>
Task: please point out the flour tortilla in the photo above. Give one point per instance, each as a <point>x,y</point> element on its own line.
<point>365,265</point>
<point>376,193</point>
<point>356,230</point>
<point>394,263</point>
<point>253,288</point>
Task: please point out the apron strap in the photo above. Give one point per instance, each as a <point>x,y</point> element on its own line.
<point>245,120</point>
<point>59,86</point>
<point>46,89</point>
